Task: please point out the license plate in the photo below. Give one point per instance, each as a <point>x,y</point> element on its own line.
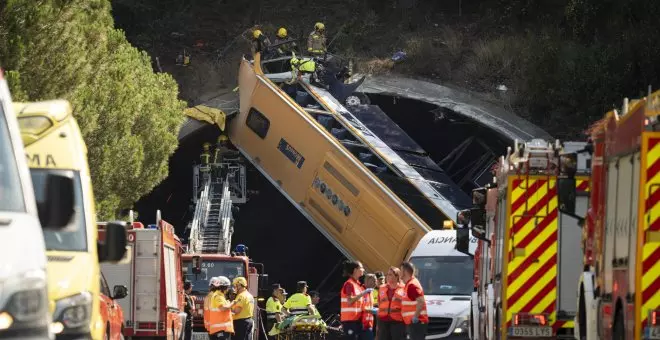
<point>652,333</point>
<point>200,336</point>
<point>530,331</point>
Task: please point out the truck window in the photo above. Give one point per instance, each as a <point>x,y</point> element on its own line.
<point>210,268</point>
<point>445,275</point>
<point>11,192</point>
<point>63,240</point>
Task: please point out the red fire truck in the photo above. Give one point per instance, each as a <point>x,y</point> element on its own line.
<point>528,256</point>
<point>153,276</point>
<point>619,291</point>
<point>200,268</point>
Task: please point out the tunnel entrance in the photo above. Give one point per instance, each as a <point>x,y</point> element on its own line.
<point>278,236</point>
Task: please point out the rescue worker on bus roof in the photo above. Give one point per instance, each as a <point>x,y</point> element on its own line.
<point>413,305</point>
<point>390,296</point>
<point>352,301</point>
<point>299,303</point>
<point>284,44</point>
<point>205,157</point>
<point>301,67</point>
<point>316,40</point>
<point>274,307</point>
<point>221,325</point>
<point>243,310</point>
<point>260,43</point>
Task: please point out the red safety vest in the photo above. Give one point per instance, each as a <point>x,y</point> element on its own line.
<point>390,307</point>
<point>350,312</point>
<point>409,306</point>
<point>367,315</point>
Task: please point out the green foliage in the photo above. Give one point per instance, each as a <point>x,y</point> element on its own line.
<point>129,116</point>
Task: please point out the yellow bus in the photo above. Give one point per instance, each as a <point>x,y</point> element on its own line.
<point>54,145</point>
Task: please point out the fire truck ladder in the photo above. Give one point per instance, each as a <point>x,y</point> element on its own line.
<point>212,225</point>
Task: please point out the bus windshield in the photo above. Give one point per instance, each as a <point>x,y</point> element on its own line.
<point>11,193</point>
<point>212,268</point>
<point>75,240</point>
<point>445,275</point>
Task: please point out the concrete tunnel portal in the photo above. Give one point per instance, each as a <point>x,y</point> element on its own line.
<point>463,136</point>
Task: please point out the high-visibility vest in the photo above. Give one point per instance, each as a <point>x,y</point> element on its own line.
<point>390,307</point>
<point>350,312</point>
<point>219,320</point>
<point>367,312</point>
<point>207,303</point>
<point>273,307</point>
<point>409,306</point>
<point>374,297</point>
<point>297,304</point>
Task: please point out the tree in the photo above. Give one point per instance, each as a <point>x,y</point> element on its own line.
<point>129,116</point>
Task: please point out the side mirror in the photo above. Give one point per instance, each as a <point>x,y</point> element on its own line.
<point>463,218</point>
<point>566,193</point>
<point>463,241</point>
<point>114,247</point>
<point>119,292</point>
<point>478,217</point>
<point>196,264</point>
<point>57,209</point>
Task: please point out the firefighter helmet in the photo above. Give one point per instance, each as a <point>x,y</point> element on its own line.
<point>215,282</point>
<point>224,281</point>
<point>281,32</point>
<point>222,138</point>
<point>319,26</point>
<point>207,146</point>
<point>241,281</point>
<point>256,34</point>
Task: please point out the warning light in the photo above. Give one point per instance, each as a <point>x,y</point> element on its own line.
<point>447,224</point>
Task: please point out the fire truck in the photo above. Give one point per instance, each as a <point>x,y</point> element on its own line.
<point>528,257</point>
<point>153,275</point>
<point>619,290</point>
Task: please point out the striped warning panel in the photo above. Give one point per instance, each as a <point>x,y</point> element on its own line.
<point>582,184</point>
<point>650,261</point>
<point>532,252</point>
<point>563,324</point>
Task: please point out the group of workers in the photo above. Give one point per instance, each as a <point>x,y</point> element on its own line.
<point>284,45</point>
<point>386,307</point>
<point>225,319</point>
<point>278,307</point>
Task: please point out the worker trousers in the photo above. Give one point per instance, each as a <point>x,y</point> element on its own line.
<point>354,330</point>
<point>220,336</point>
<point>243,329</point>
<point>391,330</point>
<point>416,331</point>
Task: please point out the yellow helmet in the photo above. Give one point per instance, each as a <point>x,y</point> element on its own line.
<point>281,32</point>
<point>239,280</point>
<point>257,33</point>
<point>222,138</point>
<point>319,26</point>
<point>207,146</point>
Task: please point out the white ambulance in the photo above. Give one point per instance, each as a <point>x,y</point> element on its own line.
<point>447,278</point>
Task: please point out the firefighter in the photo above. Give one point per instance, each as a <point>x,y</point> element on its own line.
<point>300,67</point>
<point>205,157</point>
<point>189,307</point>
<point>207,302</point>
<point>285,44</point>
<point>316,40</point>
<point>299,303</point>
<point>274,307</point>
<point>243,310</point>
<point>260,43</point>
<point>352,301</point>
<point>220,321</point>
<point>413,306</point>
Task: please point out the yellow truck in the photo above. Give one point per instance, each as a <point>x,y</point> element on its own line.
<point>54,145</point>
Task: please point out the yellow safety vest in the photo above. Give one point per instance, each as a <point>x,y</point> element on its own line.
<point>297,303</point>
<point>246,301</point>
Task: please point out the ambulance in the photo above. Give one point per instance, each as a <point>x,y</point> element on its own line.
<point>446,276</point>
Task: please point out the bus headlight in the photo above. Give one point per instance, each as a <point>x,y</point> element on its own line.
<point>463,325</point>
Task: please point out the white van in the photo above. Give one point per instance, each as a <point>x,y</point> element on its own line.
<point>447,278</point>
<point>24,308</point>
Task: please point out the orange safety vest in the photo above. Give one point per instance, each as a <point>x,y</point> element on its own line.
<point>207,303</point>
<point>393,307</point>
<point>350,312</point>
<point>367,315</point>
<point>409,306</point>
<point>220,321</point>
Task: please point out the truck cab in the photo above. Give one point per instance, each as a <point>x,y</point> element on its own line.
<point>54,146</point>
<point>446,276</point>
<point>23,278</point>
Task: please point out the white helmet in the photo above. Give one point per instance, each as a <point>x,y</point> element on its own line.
<point>223,281</point>
<point>215,282</point>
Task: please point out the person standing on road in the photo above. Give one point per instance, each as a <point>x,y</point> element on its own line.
<point>380,278</point>
<point>221,325</point>
<point>188,308</point>
<point>390,296</point>
<point>207,303</point>
<point>413,306</point>
<point>352,301</point>
<point>368,314</point>
<point>274,307</point>
<point>243,310</point>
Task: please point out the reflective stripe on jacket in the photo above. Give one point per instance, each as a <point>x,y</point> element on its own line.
<point>409,306</point>
<point>351,312</point>
<point>390,307</point>
<point>219,320</point>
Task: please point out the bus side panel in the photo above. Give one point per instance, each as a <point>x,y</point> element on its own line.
<point>531,255</point>
<point>648,283</point>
